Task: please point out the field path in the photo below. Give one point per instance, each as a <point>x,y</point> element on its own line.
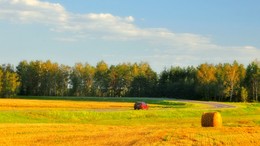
<point>212,104</point>
<point>215,105</point>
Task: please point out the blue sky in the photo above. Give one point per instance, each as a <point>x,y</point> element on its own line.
<point>163,33</point>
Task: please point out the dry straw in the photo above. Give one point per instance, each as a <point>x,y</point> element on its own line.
<point>211,120</point>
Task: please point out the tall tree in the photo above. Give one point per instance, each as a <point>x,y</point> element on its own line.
<point>141,87</point>
<point>144,81</point>
<point>163,83</point>
<point>101,79</point>
<point>62,79</point>
<point>9,81</point>
<point>119,79</point>
<point>22,71</point>
<point>48,78</point>
<point>82,78</point>
<point>233,76</point>
<point>178,82</point>
<point>35,73</point>
<point>252,79</point>
<point>206,75</point>
<point>220,87</point>
<point>88,77</point>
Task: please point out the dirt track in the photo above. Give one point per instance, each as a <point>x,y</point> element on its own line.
<point>216,105</point>
<point>212,104</point>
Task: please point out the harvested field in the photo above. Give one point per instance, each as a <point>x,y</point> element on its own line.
<point>59,122</point>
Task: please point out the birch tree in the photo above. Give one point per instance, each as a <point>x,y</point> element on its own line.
<point>206,75</point>
<point>253,79</point>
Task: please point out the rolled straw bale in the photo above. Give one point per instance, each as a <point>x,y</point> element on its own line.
<point>213,119</point>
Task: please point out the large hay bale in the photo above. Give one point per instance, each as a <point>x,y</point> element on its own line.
<point>213,119</point>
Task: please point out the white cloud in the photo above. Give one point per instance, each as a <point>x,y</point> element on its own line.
<point>103,25</point>
<point>175,48</point>
<point>130,19</point>
<point>31,11</point>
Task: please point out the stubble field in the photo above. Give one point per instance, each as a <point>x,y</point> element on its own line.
<point>112,121</point>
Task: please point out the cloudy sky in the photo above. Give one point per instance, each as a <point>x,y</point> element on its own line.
<point>163,33</point>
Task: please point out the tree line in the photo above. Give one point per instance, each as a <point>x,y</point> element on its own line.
<point>221,82</point>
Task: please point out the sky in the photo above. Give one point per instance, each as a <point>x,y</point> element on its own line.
<point>162,33</point>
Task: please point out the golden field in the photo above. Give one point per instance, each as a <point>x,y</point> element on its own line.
<point>85,134</point>
<point>60,122</point>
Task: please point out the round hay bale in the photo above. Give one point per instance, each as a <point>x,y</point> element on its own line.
<point>213,119</point>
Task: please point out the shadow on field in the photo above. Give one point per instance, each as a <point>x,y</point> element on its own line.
<point>162,102</point>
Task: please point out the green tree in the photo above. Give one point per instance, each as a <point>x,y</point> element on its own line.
<point>76,80</point>
<point>144,81</point>
<point>62,79</point>
<point>88,78</point>
<point>206,75</point>
<point>252,79</point>
<point>178,82</point>
<point>119,78</point>
<point>220,87</point>
<point>163,83</point>
<point>9,81</point>
<point>101,79</point>
<point>82,78</point>
<point>140,87</point>
<point>23,71</point>
<point>34,77</point>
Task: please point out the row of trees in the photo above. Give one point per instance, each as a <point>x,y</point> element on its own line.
<point>50,79</point>
<point>222,82</point>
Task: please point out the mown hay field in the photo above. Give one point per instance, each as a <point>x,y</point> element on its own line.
<point>112,121</point>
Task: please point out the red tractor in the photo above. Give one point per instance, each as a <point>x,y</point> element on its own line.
<point>140,105</point>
